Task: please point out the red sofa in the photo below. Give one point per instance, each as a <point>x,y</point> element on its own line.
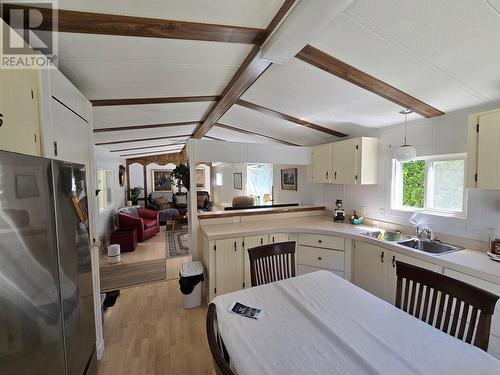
<point>147,222</point>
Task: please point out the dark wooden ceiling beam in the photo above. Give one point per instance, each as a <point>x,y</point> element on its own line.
<point>283,116</point>
<point>150,126</point>
<point>162,100</point>
<point>244,131</point>
<point>143,139</point>
<point>146,147</point>
<point>70,21</point>
<point>359,78</point>
<point>249,71</point>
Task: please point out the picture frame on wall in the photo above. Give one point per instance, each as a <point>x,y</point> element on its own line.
<point>238,181</point>
<point>289,179</point>
<point>200,178</point>
<point>161,179</point>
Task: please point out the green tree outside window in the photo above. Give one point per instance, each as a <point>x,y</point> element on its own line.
<point>413,183</point>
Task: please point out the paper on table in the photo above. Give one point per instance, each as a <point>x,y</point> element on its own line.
<point>246,311</point>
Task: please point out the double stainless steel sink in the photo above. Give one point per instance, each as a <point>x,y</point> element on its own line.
<point>428,246</point>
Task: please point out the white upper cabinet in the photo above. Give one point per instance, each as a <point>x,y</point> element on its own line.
<point>483,170</point>
<point>353,161</point>
<point>322,163</point>
<point>344,161</point>
<point>19,124</point>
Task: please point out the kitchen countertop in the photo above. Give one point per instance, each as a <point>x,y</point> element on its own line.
<point>472,262</point>
<point>257,211</point>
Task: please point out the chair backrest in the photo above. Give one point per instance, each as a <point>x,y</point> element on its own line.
<point>132,211</point>
<point>452,306</point>
<point>243,201</point>
<point>273,262</point>
<point>217,348</point>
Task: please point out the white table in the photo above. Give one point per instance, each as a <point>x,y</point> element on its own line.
<point>319,323</point>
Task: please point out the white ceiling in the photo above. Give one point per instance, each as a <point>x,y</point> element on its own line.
<point>249,13</point>
<point>123,115</point>
<point>445,53</point>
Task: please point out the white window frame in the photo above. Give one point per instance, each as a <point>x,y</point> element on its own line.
<point>397,187</point>
<point>112,201</point>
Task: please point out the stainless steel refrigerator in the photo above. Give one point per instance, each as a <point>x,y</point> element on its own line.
<point>46,296</point>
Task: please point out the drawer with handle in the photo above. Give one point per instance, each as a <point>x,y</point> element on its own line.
<point>301,270</point>
<point>319,240</point>
<point>321,258</point>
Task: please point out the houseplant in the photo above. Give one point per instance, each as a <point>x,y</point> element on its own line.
<point>180,175</point>
<point>134,194</point>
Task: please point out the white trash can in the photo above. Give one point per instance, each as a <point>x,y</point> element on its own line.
<point>191,278</point>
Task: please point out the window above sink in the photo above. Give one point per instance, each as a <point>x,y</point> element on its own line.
<point>432,184</point>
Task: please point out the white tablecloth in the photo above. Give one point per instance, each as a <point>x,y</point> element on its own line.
<point>319,323</point>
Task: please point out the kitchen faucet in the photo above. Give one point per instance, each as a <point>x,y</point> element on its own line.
<point>424,233</point>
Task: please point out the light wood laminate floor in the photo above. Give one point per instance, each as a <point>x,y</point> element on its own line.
<point>149,332</point>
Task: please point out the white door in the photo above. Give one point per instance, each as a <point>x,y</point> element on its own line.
<point>228,265</point>
<point>488,158</point>
<point>19,128</point>
<point>369,263</point>
<point>252,241</point>
<point>321,163</point>
<point>344,161</point>
<point>391,276</point>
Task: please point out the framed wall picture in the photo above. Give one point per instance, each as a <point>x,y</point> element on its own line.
<point>238,181</point>
<point>289,179</point>
<point>161,179</point>
<point>200,178</point>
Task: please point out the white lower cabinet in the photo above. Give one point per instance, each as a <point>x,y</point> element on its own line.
<point>368,264</point>
<point>494,346</point>
<point>319,252</point>
<point>228,265</point>
<point>280,237</point>
<point>375,269</point>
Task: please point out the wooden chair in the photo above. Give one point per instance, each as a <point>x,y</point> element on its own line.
<point>273,262</point>
<point>452,306</point>
<point>219,353</point>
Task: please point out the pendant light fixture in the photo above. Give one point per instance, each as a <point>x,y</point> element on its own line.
<point>405,152</point>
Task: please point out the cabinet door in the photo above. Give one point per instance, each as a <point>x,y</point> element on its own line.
<point>344,161</point>
<point>279,237</point>
<point>19,129</point>
<point>321,163</point>
<point>252,241</point>
<point>369,263</point>
<point>488,157</point>
<point>71,134</point>
<point>391,271</point>
<point>228,265</point>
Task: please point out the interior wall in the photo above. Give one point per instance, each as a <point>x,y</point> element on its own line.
<point>207,186</point>
<point>105,160</point>
<point>137,175</point>
<point>307,193</point>
<point>222,196</point>
<point>442,135</point>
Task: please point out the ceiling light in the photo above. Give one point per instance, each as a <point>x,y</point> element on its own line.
<point>405,152</point>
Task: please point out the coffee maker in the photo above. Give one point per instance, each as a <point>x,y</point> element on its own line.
<point>339,212</point>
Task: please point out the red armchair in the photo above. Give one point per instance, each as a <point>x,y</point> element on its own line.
<point>147,223</point>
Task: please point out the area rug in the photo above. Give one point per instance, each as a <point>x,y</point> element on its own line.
<point>177,243</point>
